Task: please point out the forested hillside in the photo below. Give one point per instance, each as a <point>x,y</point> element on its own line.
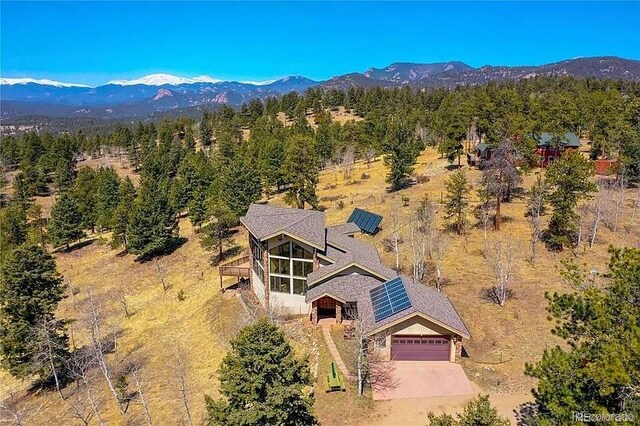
<point>141,215</point>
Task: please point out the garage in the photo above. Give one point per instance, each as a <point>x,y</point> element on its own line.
<point>420,348</point>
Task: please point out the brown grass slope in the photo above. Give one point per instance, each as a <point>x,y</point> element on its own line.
<point>199,327</point>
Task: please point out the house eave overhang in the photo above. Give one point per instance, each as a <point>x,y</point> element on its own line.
<point>424,316</point>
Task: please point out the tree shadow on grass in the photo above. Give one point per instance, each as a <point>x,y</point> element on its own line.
<point>75,246</point>
<point>173,245</point>
<point>228,253</point>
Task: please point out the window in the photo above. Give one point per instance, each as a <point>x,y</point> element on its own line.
<point>280,266</point>
<point>257,268</point>
<point>289,265</point>
<point>302,269</point>
<point>300,252</point>
<point>280,284</point>
<point>381,341</point>
<point>299,286</point>
<point>281,250</point>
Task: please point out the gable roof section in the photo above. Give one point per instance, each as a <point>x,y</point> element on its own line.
<point>348,228</point>
<point>265,222</point>
<point>425,302</point>
<point>346,288</point>
<point>345,252</point>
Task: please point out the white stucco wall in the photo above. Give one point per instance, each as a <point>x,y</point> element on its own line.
<point>258,287</point>
<point>292,304</point>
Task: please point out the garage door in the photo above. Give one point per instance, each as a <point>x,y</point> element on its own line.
<point>420,348</point>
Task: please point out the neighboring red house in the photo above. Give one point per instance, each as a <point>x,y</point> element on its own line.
<point>549,150</point>
<point>606,167</point>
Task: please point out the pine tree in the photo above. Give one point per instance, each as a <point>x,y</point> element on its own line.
<point>301,172</point>
<point>122,214</point>
<point>569,177</point>
<point>152,225</point>
<point>206,129</point>
<point>13,228</point>
<point>500,176</point>
<point>401,153</point>
<point>30,290</point>
<point>262,382</point>
<point>240,185</point>
<point>107,197</point>
<point>84,193</point>
<point>457,201</point>
<point>218,232</point>
<point>598,368</point>
<point>65,225</point>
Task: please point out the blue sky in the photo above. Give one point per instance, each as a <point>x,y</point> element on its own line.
<point>94,42</point>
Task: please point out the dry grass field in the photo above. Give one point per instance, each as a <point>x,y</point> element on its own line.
<point>162,328</point>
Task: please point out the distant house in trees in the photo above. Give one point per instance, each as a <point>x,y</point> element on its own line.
<point>300,266</point>
<point>548,149</point>
<point>481,153</point>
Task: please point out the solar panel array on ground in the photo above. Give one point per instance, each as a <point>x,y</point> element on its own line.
<point>389,299</point>
<point>366,221</point>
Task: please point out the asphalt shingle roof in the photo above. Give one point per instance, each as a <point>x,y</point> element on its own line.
<point>349,288</point>
<point>425,300</point>
<point>308,225</point>
<point>349,251</point>
<point>345,228</point>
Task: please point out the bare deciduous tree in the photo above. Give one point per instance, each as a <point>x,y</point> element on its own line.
<point>12,412</point>
<point>598,207</point>
<point>161,275</point>
<point>501,256</point>
<point>49,349</point>
<point>440,245</point>
<point>80,368</point>
<point>99,347</point>
<point>584,215</point>
<point>371,370</point>
<point>418,253</point>
<point>347,158</point>
<point>536,205</point>
<point>616,194</point>
<point>135,369</point>
<point>369,156</point>
<point>179,369</point>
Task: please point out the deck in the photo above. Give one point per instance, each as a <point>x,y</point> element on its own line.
<point>240,268</point>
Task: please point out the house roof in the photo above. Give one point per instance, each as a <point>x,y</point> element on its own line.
<point>348,228</point>
<point>265,221</point>
<point>425,301</point>
<point>482,146</point>
<point>347,288</point>
<point>345,252</point>
<point>568,139</point>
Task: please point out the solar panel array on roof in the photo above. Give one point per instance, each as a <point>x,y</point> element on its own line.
<point>389,299</point>
<point>368,222</point>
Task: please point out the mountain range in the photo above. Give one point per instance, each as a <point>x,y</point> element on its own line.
<point>163,93</point>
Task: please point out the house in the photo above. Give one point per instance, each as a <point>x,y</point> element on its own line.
<point>301,266</point>
<point>548,150</point>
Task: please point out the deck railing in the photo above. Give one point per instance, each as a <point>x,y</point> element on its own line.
<point>240,267</point>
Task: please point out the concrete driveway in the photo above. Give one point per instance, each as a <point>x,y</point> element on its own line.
<point>421,379</point>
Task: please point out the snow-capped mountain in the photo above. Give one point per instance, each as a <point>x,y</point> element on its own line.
<point>160,93</point>
<point>42,82</point>
<point>164,80</point>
